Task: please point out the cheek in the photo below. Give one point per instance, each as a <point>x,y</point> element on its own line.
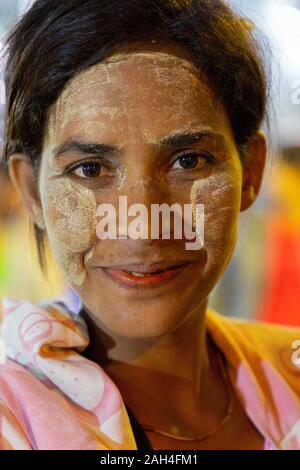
<point>221,196</point>
<point>70,216</point>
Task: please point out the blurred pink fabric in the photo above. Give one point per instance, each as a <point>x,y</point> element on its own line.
<point>51,397</point>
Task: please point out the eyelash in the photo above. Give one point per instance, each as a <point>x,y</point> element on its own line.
<point>208,157</point>
<point>71,169</point>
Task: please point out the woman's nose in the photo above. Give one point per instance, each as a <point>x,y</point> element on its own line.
<point>144,185</point>
<point>144,193</point>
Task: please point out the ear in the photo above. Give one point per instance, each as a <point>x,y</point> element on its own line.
<point>22,175</point>
<point>253,169</point>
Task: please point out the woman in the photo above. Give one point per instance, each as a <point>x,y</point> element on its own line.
<point>160,102</point>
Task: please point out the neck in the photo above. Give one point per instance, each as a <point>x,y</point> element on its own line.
<point>170,371</point>
<point>184,347</point>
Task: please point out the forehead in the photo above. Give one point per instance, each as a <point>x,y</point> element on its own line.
<point>144,92</point>
<point>130,67</point>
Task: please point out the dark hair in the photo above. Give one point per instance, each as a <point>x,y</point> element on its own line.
<point>55,40</point>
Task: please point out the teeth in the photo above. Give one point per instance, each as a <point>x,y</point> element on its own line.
<point>139,274</point>
<point>144,274</point>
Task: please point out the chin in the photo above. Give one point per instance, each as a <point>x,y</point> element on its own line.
<point>142,320</point>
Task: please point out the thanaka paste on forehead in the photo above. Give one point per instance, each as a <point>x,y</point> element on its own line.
<point>160,62</point>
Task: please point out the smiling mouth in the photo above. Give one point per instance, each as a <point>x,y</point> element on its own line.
<point>143,276</point>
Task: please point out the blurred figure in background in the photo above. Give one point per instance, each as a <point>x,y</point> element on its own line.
<point>280,301</point>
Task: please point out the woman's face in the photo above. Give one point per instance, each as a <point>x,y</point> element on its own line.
<point>130,103</point>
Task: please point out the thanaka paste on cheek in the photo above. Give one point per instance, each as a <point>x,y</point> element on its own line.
<point>221,196</point>
<point>71,227</point>
<point>122,176</point>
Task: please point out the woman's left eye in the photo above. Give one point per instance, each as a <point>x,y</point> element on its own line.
<point>190,161</point>
<point>88,170</point>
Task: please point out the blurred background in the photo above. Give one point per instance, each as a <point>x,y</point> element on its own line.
<point>263,280</point>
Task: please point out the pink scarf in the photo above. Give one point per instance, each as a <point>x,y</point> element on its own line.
<point>51,397</point>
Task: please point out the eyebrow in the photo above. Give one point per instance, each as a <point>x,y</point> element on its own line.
<point>175,140</point>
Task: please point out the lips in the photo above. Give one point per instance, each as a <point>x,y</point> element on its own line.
<point>137,275</point>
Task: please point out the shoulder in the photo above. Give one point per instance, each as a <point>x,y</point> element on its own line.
<point>258,342</point>
<point>268,338</point>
